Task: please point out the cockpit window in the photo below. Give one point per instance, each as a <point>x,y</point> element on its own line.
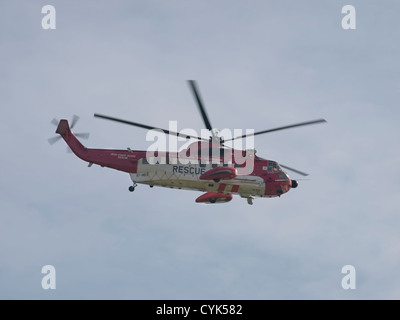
<point>273,167</point>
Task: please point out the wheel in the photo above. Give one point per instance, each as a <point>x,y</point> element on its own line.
<point>131,188</point>
<point>213,200</point>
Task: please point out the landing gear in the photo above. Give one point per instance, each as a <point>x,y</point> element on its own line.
<point>132,188</point>
<point>250,200</point>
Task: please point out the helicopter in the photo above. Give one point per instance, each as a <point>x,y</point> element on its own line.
<point>207,165</point>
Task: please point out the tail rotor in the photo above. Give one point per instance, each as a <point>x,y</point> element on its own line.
<point>74,121</point>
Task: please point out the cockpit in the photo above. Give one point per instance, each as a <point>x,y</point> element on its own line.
<point>274,167</point>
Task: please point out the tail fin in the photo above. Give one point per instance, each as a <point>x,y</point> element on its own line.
<point>65,131</point>
<point>63,128</point>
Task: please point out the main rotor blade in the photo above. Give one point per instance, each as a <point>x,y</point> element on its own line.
<point>147,127</point>
<point>280,128</point>
<point>294,170</point>
<point>195,91</point>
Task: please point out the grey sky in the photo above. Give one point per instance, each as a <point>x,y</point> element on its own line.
<point>259,65</point>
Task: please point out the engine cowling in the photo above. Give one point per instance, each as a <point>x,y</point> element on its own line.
<point>219,173</point>
<point>214,197</point>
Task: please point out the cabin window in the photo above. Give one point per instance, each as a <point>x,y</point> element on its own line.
<point>144,161</point>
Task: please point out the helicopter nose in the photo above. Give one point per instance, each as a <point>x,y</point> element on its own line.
<point>294,184</point>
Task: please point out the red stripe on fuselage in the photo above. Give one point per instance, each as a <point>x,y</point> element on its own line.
<point>221,187</point>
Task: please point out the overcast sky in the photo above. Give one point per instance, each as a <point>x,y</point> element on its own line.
<point>259,65</point>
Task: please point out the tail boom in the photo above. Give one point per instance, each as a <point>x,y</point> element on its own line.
<point>122,160</point>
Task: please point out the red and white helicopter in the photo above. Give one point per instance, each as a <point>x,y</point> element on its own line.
<point>209,166</point>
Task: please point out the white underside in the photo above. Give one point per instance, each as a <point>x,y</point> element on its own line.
<point>164,175</point>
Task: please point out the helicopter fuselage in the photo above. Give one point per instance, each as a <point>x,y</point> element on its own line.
<point>263,178</point>
<point>208,165</point>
